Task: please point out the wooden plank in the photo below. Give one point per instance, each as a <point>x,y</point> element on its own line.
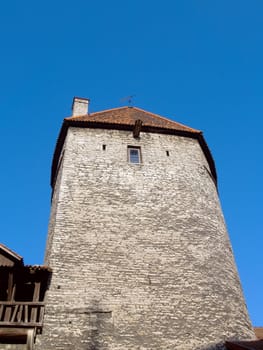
<point>34,310</point>
<point>29,303</point>
<point>1,311</point>
<point>5,261</point>
<point>19,313</point>
<point>9,295</point>
<point>36,291</point>
<point>7,314</point>
<point>21,324</point>
<point>30,339</point>
<point>10,312</point>
<point>13,292</point>
<point>41,314</point>
<point>12,331</point>
<point>33,316</point>
<point>26,312</point>
<point>14,313</point>
<point>10,285</point>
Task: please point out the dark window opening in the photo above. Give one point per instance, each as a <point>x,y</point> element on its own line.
<point>167,153</point>
<point>16,338</point>
<point>134,155</point>
<point>104,147</point>
<point>24,291</point>
<point>3,289</point>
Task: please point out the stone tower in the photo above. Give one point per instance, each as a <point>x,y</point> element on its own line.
<point>137,242</point>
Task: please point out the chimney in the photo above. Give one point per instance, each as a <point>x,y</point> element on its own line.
<point>80,106</point>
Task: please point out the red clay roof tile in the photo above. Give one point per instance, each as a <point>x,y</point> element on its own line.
<point>128,116</point>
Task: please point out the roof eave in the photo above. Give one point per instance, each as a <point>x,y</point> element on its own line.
<point>11,253</point>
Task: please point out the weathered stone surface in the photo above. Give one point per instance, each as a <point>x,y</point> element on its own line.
<point>140,254</point>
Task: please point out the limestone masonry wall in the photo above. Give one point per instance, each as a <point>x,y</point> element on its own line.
<point>140,254</point>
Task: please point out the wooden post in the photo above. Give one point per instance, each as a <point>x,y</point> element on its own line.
<point>10,296</point>
<point>26,313</point>
<point>10,286</point>
<point>30,339</point>
<point>20,313</point>
<point>34,311</point>
<point>137,128</point>
<point>1,311</point>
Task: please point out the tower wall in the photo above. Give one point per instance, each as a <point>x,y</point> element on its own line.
<point>140,254</point>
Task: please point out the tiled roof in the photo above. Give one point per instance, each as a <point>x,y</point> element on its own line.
<point>125,118</point>
<point>38,268</point>
<point>30,268</point>
<point>128,116</point>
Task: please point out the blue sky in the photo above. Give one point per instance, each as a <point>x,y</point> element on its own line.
<point>198,62</point>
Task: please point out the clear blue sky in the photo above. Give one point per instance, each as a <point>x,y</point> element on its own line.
<point>196,61</point>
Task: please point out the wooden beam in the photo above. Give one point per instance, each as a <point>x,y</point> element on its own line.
<point>34,310</point>
<point>21,324</point>
<point>14,314</point>
<point>26,313</point>
<point>12,332</point>
<point>10,293</point>
<point>30,339</point>
<point>41,315</point>
<point>1,311</point>
<point>29,303</point>
<point>20,313</point>
<point>137,128</point>
<point>36,291</point>
<point>10,285</point>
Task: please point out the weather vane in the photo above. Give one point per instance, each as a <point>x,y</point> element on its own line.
<point>128,99</point>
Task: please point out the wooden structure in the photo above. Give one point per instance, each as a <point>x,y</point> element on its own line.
<point>22,291</point>
<point>8,257</point>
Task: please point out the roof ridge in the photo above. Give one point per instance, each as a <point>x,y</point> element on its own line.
<point>95,113</point>
<point>110,109</point>
<point>166,119</point>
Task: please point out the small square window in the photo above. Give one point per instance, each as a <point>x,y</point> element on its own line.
<point>134,155</point>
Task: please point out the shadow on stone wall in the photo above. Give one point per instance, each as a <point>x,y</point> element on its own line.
<point>218,346</point>
<point>100,327</point>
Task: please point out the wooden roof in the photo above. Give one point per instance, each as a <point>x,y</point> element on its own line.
<point>10,260</point>
<point>8,257</point>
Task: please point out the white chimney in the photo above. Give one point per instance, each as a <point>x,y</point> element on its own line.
<point>80,106</point>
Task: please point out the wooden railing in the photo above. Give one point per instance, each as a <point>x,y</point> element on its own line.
<point>24,314</point>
